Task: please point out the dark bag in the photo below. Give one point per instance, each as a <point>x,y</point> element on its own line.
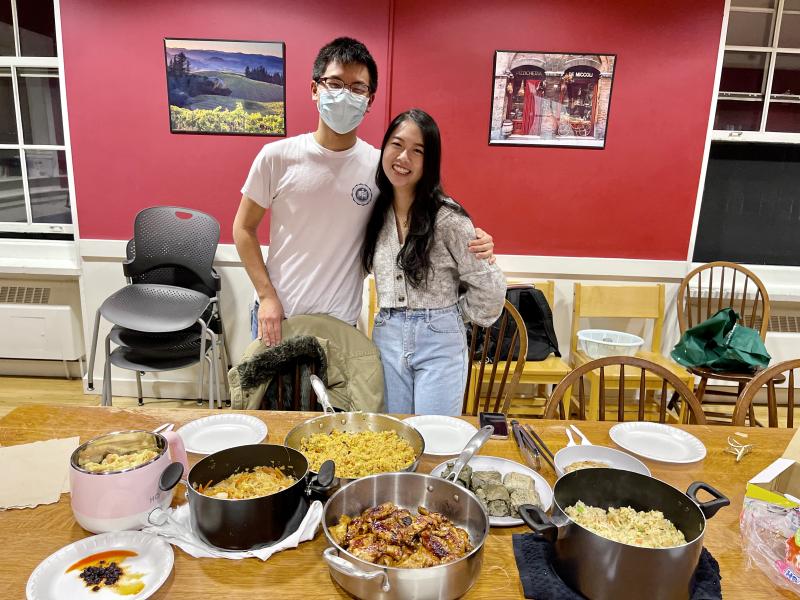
<point>538,318</point>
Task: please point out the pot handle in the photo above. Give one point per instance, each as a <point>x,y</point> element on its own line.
<point>344,567</point>
<point>170,477</point>
<point>711,507</point>
<point>325,479</point>
<point>177,450</point>
<point>539,522</point>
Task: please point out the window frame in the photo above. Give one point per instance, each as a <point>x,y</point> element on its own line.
<point>771,53</point>
<point>16,64</point>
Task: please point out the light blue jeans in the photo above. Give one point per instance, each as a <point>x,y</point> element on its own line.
<point>424,356</point>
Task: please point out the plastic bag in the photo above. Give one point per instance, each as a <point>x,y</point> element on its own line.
<point>771,540</point>
<point>720,343</point>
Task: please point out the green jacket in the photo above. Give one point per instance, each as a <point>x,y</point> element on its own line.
<point>352,365</point>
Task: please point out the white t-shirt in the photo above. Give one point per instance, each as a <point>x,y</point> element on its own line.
<point>321,201</point>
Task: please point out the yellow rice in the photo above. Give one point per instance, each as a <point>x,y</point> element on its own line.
<point>358,454</point>
<point>649,529</point>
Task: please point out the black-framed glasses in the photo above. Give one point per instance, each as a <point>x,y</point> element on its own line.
<point>335,84</point>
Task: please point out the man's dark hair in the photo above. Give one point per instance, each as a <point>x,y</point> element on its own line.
<point>346,51</point>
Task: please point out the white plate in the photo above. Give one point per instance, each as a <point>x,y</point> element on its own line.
<point>443,436</point>
<point>218,432</point>
<point>616,459</point>
<point>658,442</point>
<point>49,581</point>
<point>503,466</point>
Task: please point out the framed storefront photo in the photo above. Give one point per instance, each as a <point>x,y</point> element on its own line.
<point>226,87</point>
<point>551,99</point>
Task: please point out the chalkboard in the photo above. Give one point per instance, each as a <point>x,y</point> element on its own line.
<point>751,205</point>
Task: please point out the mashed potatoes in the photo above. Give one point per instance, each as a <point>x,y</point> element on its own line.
<point>358,454</point>
<point>638,528</point>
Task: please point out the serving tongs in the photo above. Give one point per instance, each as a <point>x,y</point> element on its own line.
<point>532,439</point>
<point>529,454</point>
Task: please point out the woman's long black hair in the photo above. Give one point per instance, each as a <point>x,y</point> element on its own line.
<point>414,256</point>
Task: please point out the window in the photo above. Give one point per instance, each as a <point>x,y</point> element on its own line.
<point>35,198</point>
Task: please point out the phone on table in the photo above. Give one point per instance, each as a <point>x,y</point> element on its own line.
<point>496,420</point>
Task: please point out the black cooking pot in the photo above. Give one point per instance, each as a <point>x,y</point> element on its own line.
<point>602,569</point>
<point>254,522</point>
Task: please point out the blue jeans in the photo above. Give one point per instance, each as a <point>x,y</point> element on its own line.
<point>424,356</point>
<point>254,319</point>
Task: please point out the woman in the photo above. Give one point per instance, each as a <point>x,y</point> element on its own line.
<point>416,246</point>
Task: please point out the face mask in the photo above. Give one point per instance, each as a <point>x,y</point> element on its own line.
<point>343,111</point>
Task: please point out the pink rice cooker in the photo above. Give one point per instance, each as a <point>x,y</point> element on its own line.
<point>117,479</point>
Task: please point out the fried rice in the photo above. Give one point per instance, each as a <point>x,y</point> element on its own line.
<point>648,529</point>
<point>358,454</point>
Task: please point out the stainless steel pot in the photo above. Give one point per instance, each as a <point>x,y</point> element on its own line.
<point>354,422</point>
<point>409,490</point>
<point>603,569</point>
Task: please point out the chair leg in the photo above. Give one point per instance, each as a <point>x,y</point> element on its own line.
<point>139,387</point>
<point>107,394</point>
<point>701,389</point>
<point>203,351</point>
<point>93,352</point>
<point>215,366</point>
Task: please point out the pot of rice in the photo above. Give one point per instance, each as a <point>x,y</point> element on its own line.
<point>617,533</point>
<point>360,444</point>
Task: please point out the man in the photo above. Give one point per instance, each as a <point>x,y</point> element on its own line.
<point>320,188</point>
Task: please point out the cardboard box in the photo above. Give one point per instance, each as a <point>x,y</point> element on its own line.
<point>779,483</point>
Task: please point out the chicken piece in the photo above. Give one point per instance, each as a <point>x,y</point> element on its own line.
<point>339,531</point>
<point>420,558</point>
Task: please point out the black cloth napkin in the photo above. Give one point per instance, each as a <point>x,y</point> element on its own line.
<point>534,556</point>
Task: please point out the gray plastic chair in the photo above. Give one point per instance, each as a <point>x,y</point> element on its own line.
<point>161,327</point>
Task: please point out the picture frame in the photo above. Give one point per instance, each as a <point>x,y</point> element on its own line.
<point>560,99</point>
<point>226,87</point>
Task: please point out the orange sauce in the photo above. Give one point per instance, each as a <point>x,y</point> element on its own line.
<point>110,556</point>
<point>128,584</point>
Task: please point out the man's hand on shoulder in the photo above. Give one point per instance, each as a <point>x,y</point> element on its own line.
<point>270,315</point>
<point>482,246</point>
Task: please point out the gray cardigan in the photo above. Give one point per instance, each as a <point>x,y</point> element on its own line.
<point>452,264</point>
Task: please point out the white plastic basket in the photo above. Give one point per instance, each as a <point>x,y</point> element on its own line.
<point>599,343</point>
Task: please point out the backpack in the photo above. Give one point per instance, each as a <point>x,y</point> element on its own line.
<point>538,317</point>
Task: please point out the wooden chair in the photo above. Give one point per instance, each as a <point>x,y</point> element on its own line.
<point>623,301</point>
<point>489,387</point>
<point>611,370</point>
<point>708,289</point>
<point>769,377</point>
<point>547,372</point>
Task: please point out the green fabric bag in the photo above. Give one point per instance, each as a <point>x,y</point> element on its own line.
<point>721,344</point>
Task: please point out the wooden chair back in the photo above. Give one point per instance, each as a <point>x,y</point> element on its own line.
<point>619,301</point>
<point>711,287</point>
<point>293,372</point>
<point>768,377</point>
<point>575,380</point>
<point>490,371</point>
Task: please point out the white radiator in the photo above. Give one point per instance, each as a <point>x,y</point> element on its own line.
<point>39,331</point>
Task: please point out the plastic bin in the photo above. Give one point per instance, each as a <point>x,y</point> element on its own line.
<point>599,343</point>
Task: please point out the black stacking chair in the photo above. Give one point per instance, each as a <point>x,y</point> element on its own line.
<point>166,317</point>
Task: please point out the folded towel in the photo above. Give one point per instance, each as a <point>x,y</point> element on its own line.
<point>177,530</point>
<point>36,473</point>
<point>534,556</point>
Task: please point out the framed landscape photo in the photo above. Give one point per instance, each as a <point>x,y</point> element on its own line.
<point>551,99</point>
<point>226,87</point>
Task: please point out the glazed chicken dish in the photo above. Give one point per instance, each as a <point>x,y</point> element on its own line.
<point>391,536</point>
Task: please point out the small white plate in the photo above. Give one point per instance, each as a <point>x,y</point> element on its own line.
<point>658,442</point>
<point>218,432</point>
<point>49,581</point>
<point>443,436</point>
<point>503,466</point>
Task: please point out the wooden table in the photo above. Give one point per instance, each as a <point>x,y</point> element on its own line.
<point>28,536</point>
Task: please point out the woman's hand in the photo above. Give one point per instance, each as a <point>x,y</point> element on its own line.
<point>482,246</point>
<point>270,315</point>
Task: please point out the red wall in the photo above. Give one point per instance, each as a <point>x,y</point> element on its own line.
<point>633,199</point>
<point>125,157</point>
